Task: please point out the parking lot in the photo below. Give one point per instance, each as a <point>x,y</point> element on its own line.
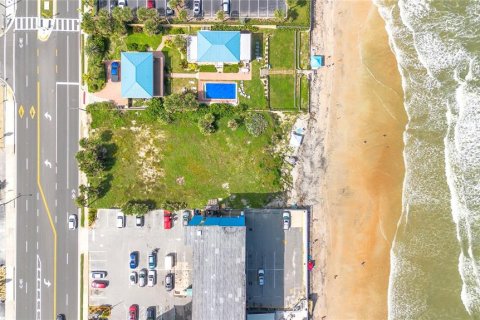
<point>160,5</point>
<point>281,253</point>
<point>109,250</point>
<point>239,8</point>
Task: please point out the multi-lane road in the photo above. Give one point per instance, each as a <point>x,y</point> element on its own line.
<point>44,76</point>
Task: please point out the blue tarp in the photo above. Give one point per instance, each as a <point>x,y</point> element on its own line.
<point>317,61</point>
<point>137,74</point>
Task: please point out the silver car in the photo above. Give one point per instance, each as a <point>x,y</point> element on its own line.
<point>286,220</point>
<point>169,282</point>
<point>72,222</point>
<point>152,278</point>
<point>261,277</point>
<point>196,7</point>
<point>133,277</point>
<point>142,278</point>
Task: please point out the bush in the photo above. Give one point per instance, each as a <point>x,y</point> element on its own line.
<point>207,68</point>
<point>136,207</point>
<point>180,102</point>
<point>182,15</point>
<point>133,46</point>
<point>144,14</point>
<point>96,45</point>
<point>151,27</point>
<point>88,23</point>
<point>95,77</point>
<point>92,216</point>
<point>207,124</point>
<point>232,124</point>
<point>180,43</point>
<point>256,124</point>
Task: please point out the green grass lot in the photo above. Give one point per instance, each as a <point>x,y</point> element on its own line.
<point>281,92</point>
<point>225,163</point>
<point>141,38</point>
<point>254,88</point>
<point>304,90</point>
<point>231,68</point>
<point>173,59</point>
<point>299,15</point>
<point>304,50</point>
<point>282,49</point>
<point>207,68</point>
<point>177,85</point>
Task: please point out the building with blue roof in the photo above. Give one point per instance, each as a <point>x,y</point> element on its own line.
<point>142,74</point>
<point>217,47</point>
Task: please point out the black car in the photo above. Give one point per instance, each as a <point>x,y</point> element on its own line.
<point>150,313</point>
<point>60,317</point>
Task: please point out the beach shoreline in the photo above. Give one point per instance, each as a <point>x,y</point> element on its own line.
<point>351,163</point>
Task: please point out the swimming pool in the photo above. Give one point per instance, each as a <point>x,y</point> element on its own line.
<point>220,90</point>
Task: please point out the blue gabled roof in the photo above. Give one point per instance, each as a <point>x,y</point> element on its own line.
<point>218,46</point>
<point>137,74</point>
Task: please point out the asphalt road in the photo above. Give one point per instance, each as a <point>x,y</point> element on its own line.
<point>45,76</point>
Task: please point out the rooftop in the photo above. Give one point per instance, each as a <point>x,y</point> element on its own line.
<point>218,46</point>
<point>137,74</point>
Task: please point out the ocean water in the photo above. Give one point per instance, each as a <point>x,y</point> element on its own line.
<point>435,257</point>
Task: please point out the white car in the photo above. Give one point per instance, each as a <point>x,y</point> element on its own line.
<point>133,277</point>
<point>152,278</point>
<point>72,221</point>
<point>142,278</point>
<point>286,220</point>
<point>196,7</point>
<point>120,220</point>
<point>261,277</point>
<point>98,274</point>
<point>122,3</point>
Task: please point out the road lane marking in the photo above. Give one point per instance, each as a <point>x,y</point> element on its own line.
<point>67,257</point>
<point>38,212</point>
<point>38,197</point>
<point>56,52</point>
<point>26,38</point>
<point>26,287</point>
<point>38,70</point>
<point>26,205</point>
<point>26,163</point>
<point>26,124</point>
<point>32,112</point>
<point>26,246</point>
<point>56,68</point>
<point>37,242</point>
<point>26,80</point>
<point>68,118</point>
<point>47,209</point>
<point>37,232</point>
<point>21,111</point>
<point>66,296</point>
<point>38,52</point>
<point>55,219</point>
<point>56,186</point>
<point>55,202</point>
<point>38,294</point>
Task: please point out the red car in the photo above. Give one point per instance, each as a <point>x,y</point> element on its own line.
<point>99,284</point>
<point>167,219</point>
<point>133,312</point>
<point>150,4</point>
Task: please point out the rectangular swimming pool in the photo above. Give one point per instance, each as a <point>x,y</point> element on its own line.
<point>214,90</point>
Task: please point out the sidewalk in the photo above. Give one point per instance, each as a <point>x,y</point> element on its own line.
<point>7,15</point>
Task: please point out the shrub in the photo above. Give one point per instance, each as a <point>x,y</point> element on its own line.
<point>232,124</point>
<point>88,23</point>
<point>207,124</point>
<point>180,43</point>
<point>220,15</point>
<point>144,14</point>
<point>95,77</point>
<point>136,207</point>
<point>256,124</point>
<point>151,27</point>
<point>182,15</point>
<point>96,45</point>
<point>132,46</point>
<point>180,102</point>
<point>92,216</point>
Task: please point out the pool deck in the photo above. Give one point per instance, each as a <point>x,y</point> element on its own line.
<point>213,76</point>
<point>201,93</point>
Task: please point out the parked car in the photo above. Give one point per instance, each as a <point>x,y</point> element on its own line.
<point>72,222</point>
<point>185,217</point>
<point>100,284</point>
<point>167,219</point>
<point>169,11</point>
<point>168,262</point>
<point>60,317</point>
<point>114,71</point>
<point>150,314</point>
<point>120,220</point>
<point>133,277</point>
<point>122,3</point>
<point>98,274</point>
<point>169,282</point>
<point>226,6</point>
<point>152,260</point>
<point>152,277</point>
<point>286,220</point>
<point>133,312</point>
<point>150,4</point>
<point>261,277</point>
<point>196,7</point>
<point>139,221</point>
<point>133,259</point>
<point>142,278</point>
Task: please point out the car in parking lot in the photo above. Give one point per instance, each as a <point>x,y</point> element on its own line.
<point>196,7</point>
<point>185,217</point>
<point>139,221</point>
<point>226,6</point>
<point>60,317</point>
<point>133,259</point>
<point>142,278</point>
<point>150,4</point>
<point>133,278</point>
<point>122,3</point>
<point>167,219</point>
<point>99,284</point>
<point>114,71</point>
<point>120,220</point>
<point>286,220</point>
<point>169,282</point>
<point>98,274</point>
<point>150,313</point>
<point>133,312</point>
<point>152,260</point>
<point>72,221</point>
<point>261,277</point>
<point>152,277</point>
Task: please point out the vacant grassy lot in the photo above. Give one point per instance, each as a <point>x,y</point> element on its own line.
<point>281,92</point>
<point>299,15</point>
<point>141,38</point>
<point>304,91</point>
<point>282,49</point>
<point>178,85</point>
<point>304,49</point>
<point>254,88</point>
<point>176,162</point>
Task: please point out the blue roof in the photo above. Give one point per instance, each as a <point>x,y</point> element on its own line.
<point>317,62</point>
<point>137,74</point>
<point>218,46</point>
<point>238,221</point>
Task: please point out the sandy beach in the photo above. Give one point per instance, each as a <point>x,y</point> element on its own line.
<point>351,167</point>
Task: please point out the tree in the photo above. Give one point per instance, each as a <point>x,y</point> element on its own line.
<point>207,124</point>
<point>88,23</point>
<point>180,42</point>
<point>256,124</point>
<point>92,158</point>
<point>151,27</point>
<point>173,3</point>
<point>144,14</point>
<point>135,207</point>
<point>104,22</point>
<point>180,102</point>
<point>154,109</point>
<point>96,45</point>
<point>220,15</point>
<point>279,15</point>
<point>122,14</point>
<point>291,3</point>
<point>182,15</point>
<point>232,124</point>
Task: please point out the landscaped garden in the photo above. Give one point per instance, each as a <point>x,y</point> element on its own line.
<point>255,90</point>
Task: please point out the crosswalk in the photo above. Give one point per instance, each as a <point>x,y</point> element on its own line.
<point>34,23</point>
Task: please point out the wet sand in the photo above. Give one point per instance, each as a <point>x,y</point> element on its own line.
<point>365,164</point>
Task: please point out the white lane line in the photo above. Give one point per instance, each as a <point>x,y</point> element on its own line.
<point>68,115</point>
<point>26,124</point>
<point>37,231</point>
<point>37,243</point>
<point>55,202</point>
<point>56,123</point>
<point>26,163</point>
<point>56,186</point>
<point>26,205</point>
<point>26,80</point>
<point>38,196</point>
<point>66,297</point>
<point>26,246</point>
<point>274,252</point>
<point>37,212</point>
<point>26,287</point>
<point>55,219</point>
<point>4,71</point>
<point>67,257</point>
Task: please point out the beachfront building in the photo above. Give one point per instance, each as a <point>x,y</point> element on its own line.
<point>142,74</point>
<point>219,47</point>
<point>219,279</point>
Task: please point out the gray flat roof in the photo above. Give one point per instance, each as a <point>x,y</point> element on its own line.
<point>219,277</point>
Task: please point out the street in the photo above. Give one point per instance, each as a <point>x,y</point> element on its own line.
<point>44,76</point>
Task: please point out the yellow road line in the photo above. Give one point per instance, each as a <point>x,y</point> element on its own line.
<point>44,200</point>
